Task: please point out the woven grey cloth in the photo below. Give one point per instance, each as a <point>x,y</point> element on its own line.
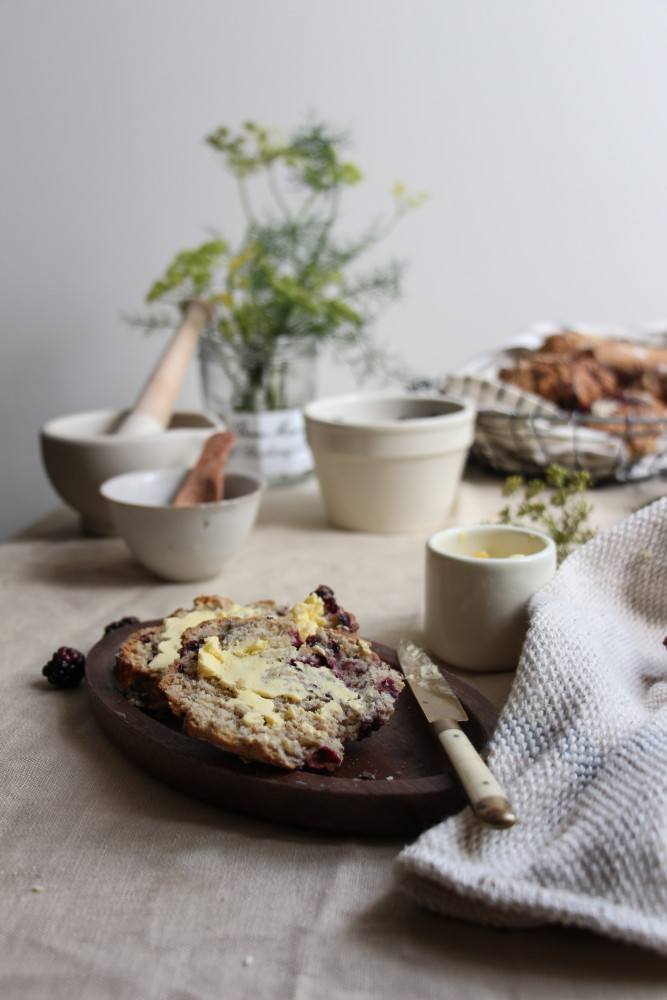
<point>581,749</point>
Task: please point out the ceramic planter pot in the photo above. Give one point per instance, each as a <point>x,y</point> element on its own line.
<point>389,462</point>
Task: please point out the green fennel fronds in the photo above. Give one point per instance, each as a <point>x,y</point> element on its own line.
<point>555,504</point>
<point>290,273</point>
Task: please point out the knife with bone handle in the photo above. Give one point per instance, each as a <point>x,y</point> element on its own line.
<point>444,711</point>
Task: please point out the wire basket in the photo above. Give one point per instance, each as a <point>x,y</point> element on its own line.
<point>516,432</point>
<point>519,432</point>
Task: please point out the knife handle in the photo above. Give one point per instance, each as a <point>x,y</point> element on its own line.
<point>487,798</point>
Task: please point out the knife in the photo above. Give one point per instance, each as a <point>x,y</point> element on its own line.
<point>444,711</point>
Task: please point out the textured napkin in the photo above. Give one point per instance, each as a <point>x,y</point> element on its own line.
<point>581,748</point>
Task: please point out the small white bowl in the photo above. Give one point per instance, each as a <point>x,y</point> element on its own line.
<point>181,543</point>
<point>80,452</point>
<point>389,462</point>
<point>478,582</point>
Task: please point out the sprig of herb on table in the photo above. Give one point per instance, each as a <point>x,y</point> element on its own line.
<point>556,504</point>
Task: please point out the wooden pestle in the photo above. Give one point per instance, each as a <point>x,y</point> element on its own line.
<point>206,482</point>
<point>153,409</point>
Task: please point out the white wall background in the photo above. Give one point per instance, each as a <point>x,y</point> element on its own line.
<point>538,126</point>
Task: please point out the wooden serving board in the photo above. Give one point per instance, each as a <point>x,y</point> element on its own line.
<point>396,782</point>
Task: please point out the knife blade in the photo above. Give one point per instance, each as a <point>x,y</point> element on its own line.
<point>444,711</point>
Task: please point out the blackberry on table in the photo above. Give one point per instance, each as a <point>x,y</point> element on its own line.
<point>66,667</point>
<point>121,623</point>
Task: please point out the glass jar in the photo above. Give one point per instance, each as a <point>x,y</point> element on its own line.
<point>260,393</point>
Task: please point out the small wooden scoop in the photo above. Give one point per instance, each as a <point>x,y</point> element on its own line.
<point>153,409</point>
<point>206,482</point>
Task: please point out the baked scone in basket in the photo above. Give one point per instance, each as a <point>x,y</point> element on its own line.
<point>585,400</point>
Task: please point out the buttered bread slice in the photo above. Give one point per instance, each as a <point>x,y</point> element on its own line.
<point>146,655</point>
<point>286,691</point>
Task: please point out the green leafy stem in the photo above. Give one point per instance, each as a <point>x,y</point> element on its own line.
<point>557,504</point>
<point>290,274</point>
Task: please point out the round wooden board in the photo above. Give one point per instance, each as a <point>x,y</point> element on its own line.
<point>394,783</point>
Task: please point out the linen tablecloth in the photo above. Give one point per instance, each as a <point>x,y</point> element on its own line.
<point>116,886</point>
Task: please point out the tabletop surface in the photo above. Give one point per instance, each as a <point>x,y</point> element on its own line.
<point>115,885</point>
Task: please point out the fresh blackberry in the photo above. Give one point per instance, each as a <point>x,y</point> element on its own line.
<point>112,626</point>
<point>65,668</point>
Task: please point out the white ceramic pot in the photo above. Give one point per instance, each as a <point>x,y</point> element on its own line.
<point>478,583</point>
<point>389,462</point>
<point>181,543</point>
<point>80,452</point>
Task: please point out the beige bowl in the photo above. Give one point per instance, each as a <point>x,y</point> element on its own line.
<point>181,543</point>
<point>389,462</point>
<point>79,453</point>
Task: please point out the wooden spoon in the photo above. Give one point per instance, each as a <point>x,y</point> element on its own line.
<point>153,409</point>
<point>206,482</point>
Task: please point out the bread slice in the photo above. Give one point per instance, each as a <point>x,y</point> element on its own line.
<point>145,656</point>
<point>285,691</point>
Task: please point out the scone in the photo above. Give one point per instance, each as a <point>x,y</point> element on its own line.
<point>144,657</point>
<point>625,412</point>
<point>571,383</point>
<point>285,691</point>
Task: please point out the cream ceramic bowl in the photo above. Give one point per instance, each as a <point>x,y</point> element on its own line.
<point>181,543</point>
<point>389,462</point>
<point>80,452</point>
<point>478,582</point>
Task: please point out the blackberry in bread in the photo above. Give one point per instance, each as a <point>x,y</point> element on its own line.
<point>285,691</point>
